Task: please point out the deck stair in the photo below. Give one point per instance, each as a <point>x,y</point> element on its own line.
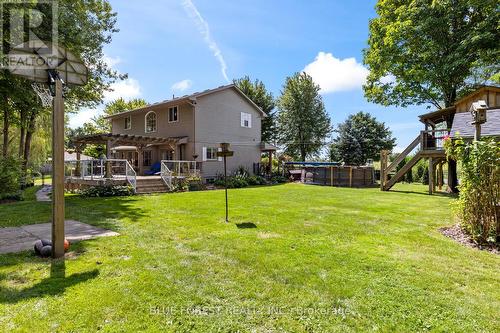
<point>434,152</point>
<point>151,184</point>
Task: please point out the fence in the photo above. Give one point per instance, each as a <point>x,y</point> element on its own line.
<point>331,175</point>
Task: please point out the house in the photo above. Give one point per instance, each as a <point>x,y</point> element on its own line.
<point>451,121</point>
<point>188,129</point>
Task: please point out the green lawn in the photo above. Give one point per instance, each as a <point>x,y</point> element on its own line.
<point>294,258</point>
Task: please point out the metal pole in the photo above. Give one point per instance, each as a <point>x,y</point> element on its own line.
<point>225,185</point>
<point>58,172</point>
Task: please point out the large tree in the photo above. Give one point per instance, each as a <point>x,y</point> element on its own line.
<point>431,51</point>
<point>303,123</point>
<point>84,27</point>
<point>359,138</point>
<point>257,92</point>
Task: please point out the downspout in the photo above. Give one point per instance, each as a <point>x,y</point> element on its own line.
<point>192,102</point>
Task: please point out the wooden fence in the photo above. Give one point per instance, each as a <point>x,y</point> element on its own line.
<point>345,176</point>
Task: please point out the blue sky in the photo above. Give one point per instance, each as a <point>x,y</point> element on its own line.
<point>182,46</point>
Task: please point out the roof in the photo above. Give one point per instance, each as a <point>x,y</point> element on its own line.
<point>462,124</point>
<point>71,156</point>
<point>264,146</point>
<point>439,115</point>
<point>192,97</point>
<point>443,114</point>
<point>124,139</point>
<point>477,91</point>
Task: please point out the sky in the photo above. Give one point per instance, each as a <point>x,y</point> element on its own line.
<point>177,47</point>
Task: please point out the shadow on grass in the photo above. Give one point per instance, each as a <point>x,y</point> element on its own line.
<point>101,212</point>
<point>439,194</point>
<point>246,225</point>
<point>55,284</point>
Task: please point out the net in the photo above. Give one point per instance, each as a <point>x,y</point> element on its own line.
<point>43,91</point>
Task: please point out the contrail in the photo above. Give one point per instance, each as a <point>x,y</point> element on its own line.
<point>205,32</point>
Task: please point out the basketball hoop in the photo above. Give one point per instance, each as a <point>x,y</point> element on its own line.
<point>50,69</point>
<point>43,91</point>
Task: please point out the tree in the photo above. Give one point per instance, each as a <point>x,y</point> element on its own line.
<point>264,99</point>
<point>431,51</point>
<point>359,138</point>
<point>84,27</point>
<point>303,124</point>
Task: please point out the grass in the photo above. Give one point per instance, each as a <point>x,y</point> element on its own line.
<point>294,258</point>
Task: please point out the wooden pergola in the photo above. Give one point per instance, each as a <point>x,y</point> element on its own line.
<point>110,140</point>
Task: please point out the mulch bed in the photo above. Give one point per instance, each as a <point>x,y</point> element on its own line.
<point>456,233</point>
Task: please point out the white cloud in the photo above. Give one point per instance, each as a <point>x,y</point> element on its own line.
<point>111,61</point>
<point>333,74</point>
<point>204,29</point>
<point>83,116</point>
<point>182,85</point>
<point>126,89</point>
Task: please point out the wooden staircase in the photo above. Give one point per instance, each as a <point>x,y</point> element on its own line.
<point>151,184</point>
<point>435,154</point>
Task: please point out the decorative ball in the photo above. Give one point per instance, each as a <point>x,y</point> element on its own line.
<point>46,242</point>
<point>46,251</point>
<point>38,246</point>
<point>66,245</point>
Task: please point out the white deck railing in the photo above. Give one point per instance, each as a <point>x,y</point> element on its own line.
<point>119,169</point>
<point>182,168</point>
<point>166,175</point>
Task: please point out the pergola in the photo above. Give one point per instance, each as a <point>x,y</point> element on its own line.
<point>138,141</point>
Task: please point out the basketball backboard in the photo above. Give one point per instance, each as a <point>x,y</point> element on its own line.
<point>31,60</point>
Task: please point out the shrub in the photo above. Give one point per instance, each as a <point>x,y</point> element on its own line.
<point>277,178</point>
<point>10,175</point>
<point>17,196</point>
<point>479,186</point>
<point>107,191</point>
<point>256,180</point>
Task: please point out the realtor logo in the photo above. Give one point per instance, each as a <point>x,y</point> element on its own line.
<point>27,26</point>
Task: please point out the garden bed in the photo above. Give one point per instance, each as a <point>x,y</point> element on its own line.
<point>458,234</point>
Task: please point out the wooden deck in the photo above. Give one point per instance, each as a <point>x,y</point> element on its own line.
<point>144,184</point>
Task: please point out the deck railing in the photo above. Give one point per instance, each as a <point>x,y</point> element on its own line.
<point>118,169</point>
<point>433,139</point>
<point>166,175</point>
<point>183,168</point>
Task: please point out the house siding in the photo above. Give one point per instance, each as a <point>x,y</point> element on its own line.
<point>215,118</point>
<point>218,119</point>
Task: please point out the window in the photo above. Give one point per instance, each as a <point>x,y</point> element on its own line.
<point>128,123</point>
<point>150,122</point>
<point>173,114</point>
<point>147,157</point>
<point>246,120</point>
<point>209,154</point>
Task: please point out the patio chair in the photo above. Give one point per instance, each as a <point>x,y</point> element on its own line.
<point>154,170</point>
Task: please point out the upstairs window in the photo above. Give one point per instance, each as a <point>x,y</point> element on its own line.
<point>150,122</point>
<point>246,120</point>
<point>173,114</point>
<point>128,123</point>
